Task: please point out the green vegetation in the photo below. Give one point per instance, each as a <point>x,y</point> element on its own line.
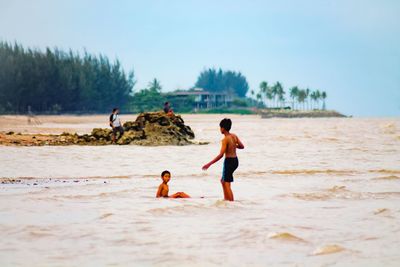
<point>56,81</point>
<point>214,80</point>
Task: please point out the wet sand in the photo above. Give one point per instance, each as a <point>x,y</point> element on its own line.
<point>310,192</point>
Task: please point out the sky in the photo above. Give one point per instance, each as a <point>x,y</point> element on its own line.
<point>348,48</point>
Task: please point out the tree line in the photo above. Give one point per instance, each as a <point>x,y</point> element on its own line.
<point>275,97</point>
<point>54,81</point>
<point>58,81</point>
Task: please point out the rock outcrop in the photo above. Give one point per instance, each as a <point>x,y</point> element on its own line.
<point>149,129</point>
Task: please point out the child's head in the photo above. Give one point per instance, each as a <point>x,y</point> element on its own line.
<point>115,110</point>
<point>166,176</point>
<point>225,125</point>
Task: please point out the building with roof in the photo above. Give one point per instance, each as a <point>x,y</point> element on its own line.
<point>205,99</point>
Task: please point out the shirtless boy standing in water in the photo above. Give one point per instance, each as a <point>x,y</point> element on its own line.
<point>229,145</point>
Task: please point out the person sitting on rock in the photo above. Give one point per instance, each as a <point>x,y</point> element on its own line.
<point>163,188</point>
<point>116,124</point>
<point>168,109</point>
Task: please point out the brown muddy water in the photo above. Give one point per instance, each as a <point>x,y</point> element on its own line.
<point>309,192</point>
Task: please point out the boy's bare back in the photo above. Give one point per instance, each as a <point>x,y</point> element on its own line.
<point>231,142</point>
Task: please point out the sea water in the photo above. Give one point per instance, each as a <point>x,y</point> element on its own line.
<point>308,192</point>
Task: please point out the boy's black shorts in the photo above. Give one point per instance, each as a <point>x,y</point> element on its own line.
<point>230,165</point>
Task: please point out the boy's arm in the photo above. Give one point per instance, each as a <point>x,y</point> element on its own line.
<point>239,144</point>
<point>111,121</point>
<point>220,155</point>
<point>159,190</point>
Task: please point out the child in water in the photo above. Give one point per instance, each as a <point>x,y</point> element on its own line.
<point>163,187</point>
<point>228,148</point>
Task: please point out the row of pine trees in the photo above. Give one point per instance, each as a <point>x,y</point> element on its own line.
<point>56,81</point>
<point>275,97</point>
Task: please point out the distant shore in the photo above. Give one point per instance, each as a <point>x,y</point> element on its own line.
<point>266,114</point>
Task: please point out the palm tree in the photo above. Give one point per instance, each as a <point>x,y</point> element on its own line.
<point>252,96</point>
<point>269,94</point>
<point>274,93</point>
<point>259,97</point>
<point>280,92</point>
<point>323,95</point>
<point>263,88</point>
<point>313,97</point>
<point>307,94</point>
<point>301,97</point>
<point>155,85</point>
<point>318,97</point>
<point>294,91</point>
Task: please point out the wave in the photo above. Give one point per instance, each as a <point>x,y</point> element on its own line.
<point>344,172</point>
<point>195,205</point>
<point>23,179</point>
<point>105,215</point>
<point>328,249</point>
<point>313,172</point>
<point>389,128</point>
<point>389,177</point>
<point>385,171</point>
<point>285,236</point>
<point>341,192</point>
<point>382,211</point>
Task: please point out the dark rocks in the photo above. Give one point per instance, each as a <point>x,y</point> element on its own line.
<point>160,129</point>
<point>149,129</point>
<point>99,133</point>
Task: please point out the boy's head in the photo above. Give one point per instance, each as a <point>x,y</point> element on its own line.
<point>166,176</point>
<point>225,125</point>
<point>115,110</point>
<point>166,104</point>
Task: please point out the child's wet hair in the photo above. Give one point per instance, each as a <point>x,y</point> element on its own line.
<point>165,172</point>
<point>226,124</point>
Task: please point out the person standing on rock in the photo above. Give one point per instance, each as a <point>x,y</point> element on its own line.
<point>116,124</point>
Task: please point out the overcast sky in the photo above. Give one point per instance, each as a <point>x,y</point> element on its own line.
<point>348,48</point>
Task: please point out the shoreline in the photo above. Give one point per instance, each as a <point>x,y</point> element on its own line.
<point>266,114</point>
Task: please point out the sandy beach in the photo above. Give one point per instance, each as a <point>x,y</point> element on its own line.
<point>309,192</point>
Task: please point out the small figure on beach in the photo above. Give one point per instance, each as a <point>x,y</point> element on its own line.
<point>31,117</point>
<point>229,145</point>
<point>116,124</point>
<point>167,109</point>
<point>163,188</point>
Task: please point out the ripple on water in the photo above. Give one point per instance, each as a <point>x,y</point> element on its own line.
<point>382,211</point>
<point>341,192</point>
<point>285,236</point>
<point>314,172</point>
<point>187,205</point>
<point>105,215</point>
<point>388,177</point>
<point>385,171</point>
<point>328,249</point>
